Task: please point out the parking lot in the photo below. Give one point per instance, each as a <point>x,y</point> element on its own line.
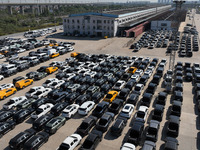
<point>188,134</point>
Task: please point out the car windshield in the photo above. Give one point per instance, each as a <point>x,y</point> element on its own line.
<point>152,131</point>
<point>137,88</point>
<point>122,94</point>
<point>11,102</point>
<point>109,96</point>
<point>84,125</point>
<point>134,134</point>
<point>32,90</point>
<point>114,106</point>
<point>173,126</point>
<point>64,146</point>
<point>39,110</point>
<point>102,122</point>
<point>48,81</point>
<point>38,93</point>
<point>118,84</point>
<point>87,144</point>
<point>98,109</point>
<point>140,114</point>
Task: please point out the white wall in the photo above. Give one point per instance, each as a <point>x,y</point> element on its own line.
<point>161,25</point>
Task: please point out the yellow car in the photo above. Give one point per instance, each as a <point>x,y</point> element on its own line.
<point>23,83</point>
<point>7,92</point>
<point>51,69</point>
<point>54,55</point>
<point>110,96</point>
<point>53,44</point>
<point>132,70</point>
<point>74,54</point>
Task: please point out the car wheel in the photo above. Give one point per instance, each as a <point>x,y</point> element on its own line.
<point>4,97</point>
<point>12,127</point>
<point>14,92</point>
<point>22,87</point>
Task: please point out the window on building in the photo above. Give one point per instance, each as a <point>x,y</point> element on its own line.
<point>108,28</point>
<point>108,21</point>
<point>77,21</point>
<point>73,27</point>
<point>88,32</point>
<point>67,20</point>
<point>72,20</point>
<point>64,20</point>
<point>99,27</point>
<point>93,21</point>
<point>112,21</point>
<point>112,28</point>
<point>68,26</point>
<point>104,21</point>
<point>83,27</point>
<point>104,27</point>
<point>98,21</point>
<point>93,27</point>
<point>78,27</point>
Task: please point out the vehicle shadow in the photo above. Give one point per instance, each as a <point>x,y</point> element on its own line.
<point>198,140</point>
<point>29,121</point>
<point>164,129</point>
<point>109,136</point>
<point>162,147</point>
<point>7,148</point>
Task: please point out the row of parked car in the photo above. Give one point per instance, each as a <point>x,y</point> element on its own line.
<point>26,112</point>
<point>17,64</point>
<point>153,39</point>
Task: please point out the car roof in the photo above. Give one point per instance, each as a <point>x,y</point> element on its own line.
<point>154,124</point>
<point>174,119</point>
<point>142,108</point>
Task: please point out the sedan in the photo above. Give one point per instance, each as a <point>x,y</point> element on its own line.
<point>135,77</point>
<point>127,111</point>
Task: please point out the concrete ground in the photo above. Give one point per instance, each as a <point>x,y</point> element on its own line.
<point>189,125</point>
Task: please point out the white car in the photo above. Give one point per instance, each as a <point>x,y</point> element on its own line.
<point>91,74</point>
<point>119,85</point>
<point>49,82</point>
<point>13,102</point>
<point>93,66</point>
<point>130,62</point>
<point>68,76</point>
<point>70,110</point>
<point>21,50</point>
<point>1,56</point>
<point>57,84</point>
<point>141,114</point>
<point>125,68</point>
<point>148,73</point>
<point>1,77</point>
<point>6,86</point>
<point>151,68</point>
<point>33,90</point>
<point>128,146</point>
<point>83,71</point>
<point>42,110</point>
<point>108,76</point>
<point>139,72</point>
<point>138,88</point>
<point>63,69</point>
<point>42,93</point>
<point>135,77</point>
<point>71,142</point>
<point>69,49</point>
<point>127,111</point>
<point>86,107</point>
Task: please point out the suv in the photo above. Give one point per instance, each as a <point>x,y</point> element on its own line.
<point>9,70</point>
<point>86,125</point>
<point>105,121</point>
<point>152,130</point>
<point>118,126</point>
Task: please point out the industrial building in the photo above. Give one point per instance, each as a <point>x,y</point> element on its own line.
<point>108,23</point>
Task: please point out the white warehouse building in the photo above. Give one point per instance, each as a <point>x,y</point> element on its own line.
<point>107,23</point>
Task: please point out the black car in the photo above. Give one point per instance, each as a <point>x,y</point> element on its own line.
<point>18,141</point>
<point>151,88</point>
<point>100,82</point>
<point>81,89</point>
<point>146,99</point>
<point>189,77</point>
<point>156,79</point>
<point>149,145</point>
<point>105,88</point>
<point>130,84</point>
<point>161,99</point>
<point>36,141</point>
<point>126,77</point>
<point>31,74</point>
<point>116,106</point>
<point>105,121</point>
<point>82,98</point>
<point>92,141</point>
<point>70,98</point>
<point>39,102</point>
<point>123,94</point>
<point>118,126</point>
<point>134,134</point>
<point>6,126</point>
<point>5,115</point>
<point>40,75</point>
<point>39,123</point>
<point>152,130</point>
<point>176,108</point>
<point>58,97</point>
<point>60,75</point>
<point>100,109</point>
<point>97,96</point>
<point>178,95</point>
<point>21,115</point>
<point>57,108</point>
<point>178,87</point>
<point>173,126</point>
<point>86,125</point>
<point>42,69</point>
<point>64,86</point>
<point>158,112</point>
<point>133,98</point>
<point>119,74</point>
<point>171,143</point>
<point>90,81</point>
